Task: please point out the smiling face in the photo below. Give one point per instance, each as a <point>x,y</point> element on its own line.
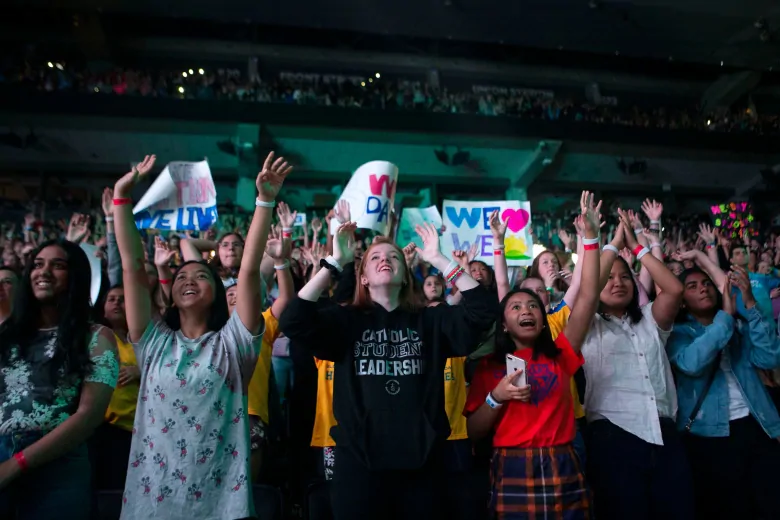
<point>193,287</point>
<point>700,296</point>
<point>383,265</point>
<point>114,308</point>
<point>620,288</point>
<point>230,250</point>
<point>480,272</point>
<point>49,274</point>
<point>232,297</point>
<point>523,317</point>
<point>433,288</point>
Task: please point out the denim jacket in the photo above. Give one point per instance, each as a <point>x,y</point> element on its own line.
<point>693,349</point>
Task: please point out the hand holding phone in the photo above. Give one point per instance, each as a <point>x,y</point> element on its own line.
<point>515,364</point>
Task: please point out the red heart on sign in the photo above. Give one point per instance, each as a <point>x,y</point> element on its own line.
<point>516,219</point>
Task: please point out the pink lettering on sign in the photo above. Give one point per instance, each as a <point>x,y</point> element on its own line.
<point>195,191</point>
<point>383,183</point>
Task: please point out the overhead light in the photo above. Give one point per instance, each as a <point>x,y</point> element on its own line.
<point>370,80</point>
<point>362,83</point>
<point>377,75</point>
<point>184,74</point>
<point>721,63</point>
<point>201,72</point>
<point>709,122</point>
<point>50,64</point>
<point>181,90</point>
<point>96,89</point>
<point>59,66</point>
<point>190,71</point>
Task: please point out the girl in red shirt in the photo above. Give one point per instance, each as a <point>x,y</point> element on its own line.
<point>535,470</point>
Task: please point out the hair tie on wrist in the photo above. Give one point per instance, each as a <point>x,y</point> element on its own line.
<point>164,281</point>
<point>21,460</point>
<point>498,252</point>
<point>122,201</point>
<point>590,247</point>
<point>285,265</point>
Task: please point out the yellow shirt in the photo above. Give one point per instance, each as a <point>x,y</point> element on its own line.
<point>121,408</point>
<point>455,396</point>
<point>324,419</point>
<point>258,385</point>
<point>557,322</point>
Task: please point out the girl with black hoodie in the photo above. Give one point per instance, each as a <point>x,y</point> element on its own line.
<point>389,360</point>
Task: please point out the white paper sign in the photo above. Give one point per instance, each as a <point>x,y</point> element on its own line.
<point>468,223</point>
<point>370,193</point>
<point>300,220</point>
<point>411,217</point>
<point>182,198</point>
<point>95,269</point>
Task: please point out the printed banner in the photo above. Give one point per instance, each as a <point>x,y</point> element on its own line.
<point>182,198</point>
<point>370,193</point>
<point>411,217</point>
<point>468,222</point>
<point>95,270</point>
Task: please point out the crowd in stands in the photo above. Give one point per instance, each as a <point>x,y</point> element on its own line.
<point>369,379</point>
<point>383,93</point>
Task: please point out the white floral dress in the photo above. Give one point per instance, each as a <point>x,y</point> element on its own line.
<point>189,456</point>
<point>31,401</point>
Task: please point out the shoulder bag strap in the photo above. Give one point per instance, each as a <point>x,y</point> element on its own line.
<point>703,394</point>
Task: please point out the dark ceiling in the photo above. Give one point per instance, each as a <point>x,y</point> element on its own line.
<point>692,31</point>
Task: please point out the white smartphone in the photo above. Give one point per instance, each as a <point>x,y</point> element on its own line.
<point>513,364</point>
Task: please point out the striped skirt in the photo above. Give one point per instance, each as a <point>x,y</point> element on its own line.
<point>538,484</point>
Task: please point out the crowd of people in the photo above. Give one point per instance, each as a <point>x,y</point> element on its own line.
<point>379,93</point>
<point>407,382</point>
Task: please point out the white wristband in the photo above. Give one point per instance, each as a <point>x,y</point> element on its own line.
<point>491,401</point>
<point>610,247</point>
<point>263,204</point>
<point>642,253</point>
<point>109,219</point>
<point>287,230</point>
<point>655,221</point>
<point>332,261</point>
<point>282,267</point>
<point>655,244</point>
<point>567,250</point>
<point>499,247</point>
<point>638,231</point>
<point>590,241</point>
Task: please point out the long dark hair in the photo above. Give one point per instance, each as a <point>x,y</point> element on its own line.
<point>683,314</point>
<point>633,309</point>
<point>222,271</point>
<point>218,315</point>
<point>74,324</point>
<point>544,344</point>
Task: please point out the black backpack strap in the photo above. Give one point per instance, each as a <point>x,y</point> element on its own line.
<point>703,394</point>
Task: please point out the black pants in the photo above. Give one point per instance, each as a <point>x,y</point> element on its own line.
<point>736,476</point>
<point>109,453</point>
<point>465,499</point>
<point>633,479</point>
<point>359,494</point>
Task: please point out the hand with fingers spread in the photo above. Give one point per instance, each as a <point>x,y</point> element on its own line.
<point>636,221</point>
<point>741,280</point>
<point>430,251</point>
<point>729,297</point>
<point>628,256</point>
<point>78,228</point>
<point>653,210</point>
<point>497,228</point>
<point>472,252</point>
<point>316,225</point>
<point>270,179</point>
<point>591,210</point>
<point>342,252</point>
<point>124,186</point>
<point>277,248</point>
<point>628,231</point>
<point>506,390</point>
<point>341,212</point>
<point>566,238</point>
<point>286,218</point>
<point>163,254</point>
<point>706,234</point>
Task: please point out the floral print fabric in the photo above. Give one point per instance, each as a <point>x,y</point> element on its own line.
<point>32,400</point>
<point>190,450</point>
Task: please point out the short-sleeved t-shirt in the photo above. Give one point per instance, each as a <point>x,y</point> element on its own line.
<point>548,418</point>
<point>189,455</point>
<point>121,409</point>
<point>31,400</point>
<point>258,386</point>
<point>455,396</point>
<point>324,419</point>
<point>557,322</point>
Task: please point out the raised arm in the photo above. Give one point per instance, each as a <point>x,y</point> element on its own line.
<point>765,348</point>
<point>574,286</point>
<point>498,228</point>
<point>192,248</point>
<point>669,297</point>
<point>705,263</point>
<point>112,250</point>
<point>249,303</point>
<point>342,255</point>
<point>163,255</point>
<point>587,224</point>
<point>609,254</point>
<point>432,254</point>
<point>279,251</point>
<point>138,303</point>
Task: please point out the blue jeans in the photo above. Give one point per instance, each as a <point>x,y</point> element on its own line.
<point>61,489</point>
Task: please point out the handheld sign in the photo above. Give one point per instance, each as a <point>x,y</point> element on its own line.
<point>181,198</point>
<point>300,220</point>
<point>411,217</point>
<point>468,222</point>
<point>95,270</point>
<point>370,193</point>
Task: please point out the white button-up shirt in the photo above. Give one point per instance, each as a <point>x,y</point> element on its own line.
<point>629,379</point>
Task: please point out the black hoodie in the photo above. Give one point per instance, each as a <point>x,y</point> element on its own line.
<point>388,391</point>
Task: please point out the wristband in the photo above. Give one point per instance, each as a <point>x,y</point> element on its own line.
<point>638,231</point>
<point>638,249</point>
<point>286,234</point>
<point>109,219</point>
<point>164,281</point>
<point>499,246</point>
<point>567,250</point>
<point>491,401</point>
<point>590,241</point>
<point>28,228</point>
<point>590,247</point>
<point>498,252</point>
<point>263,204</point>
<point>21,460</point>
<point>282,267</point>
<point>654,245</point>
<point>122,201</point>
<point>655,222</point>
<point>610,247</point>
<point>333,263</point>
<point>641,253</point>
<point>454,275</point>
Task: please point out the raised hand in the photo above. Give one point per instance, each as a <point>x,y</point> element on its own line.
<point>729,298</point>
<point>461,258</point>
<point>619,238</point>
<point>652,209</point>
<point>286,218</point>
<point>628,231</point>
<point>342,253</point>
<point>410,253</point>
<point>430,238</point>
<point>739,278</point>
<point>270,179</point>
<point>316,225</point>
<point>497,227</point>
<point>628,256</point>
<point>565,237</point>
<point>341,212</point>
<point>77,228</point>
<point>106,202</point>
<point>124,186</point>
<point>636,221</point>
<point>706,234</point>
<point>163,254</point>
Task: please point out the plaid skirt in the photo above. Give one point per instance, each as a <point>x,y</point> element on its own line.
<point>538,484</point>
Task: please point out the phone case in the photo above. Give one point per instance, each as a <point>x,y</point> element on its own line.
<point>514,364</point>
